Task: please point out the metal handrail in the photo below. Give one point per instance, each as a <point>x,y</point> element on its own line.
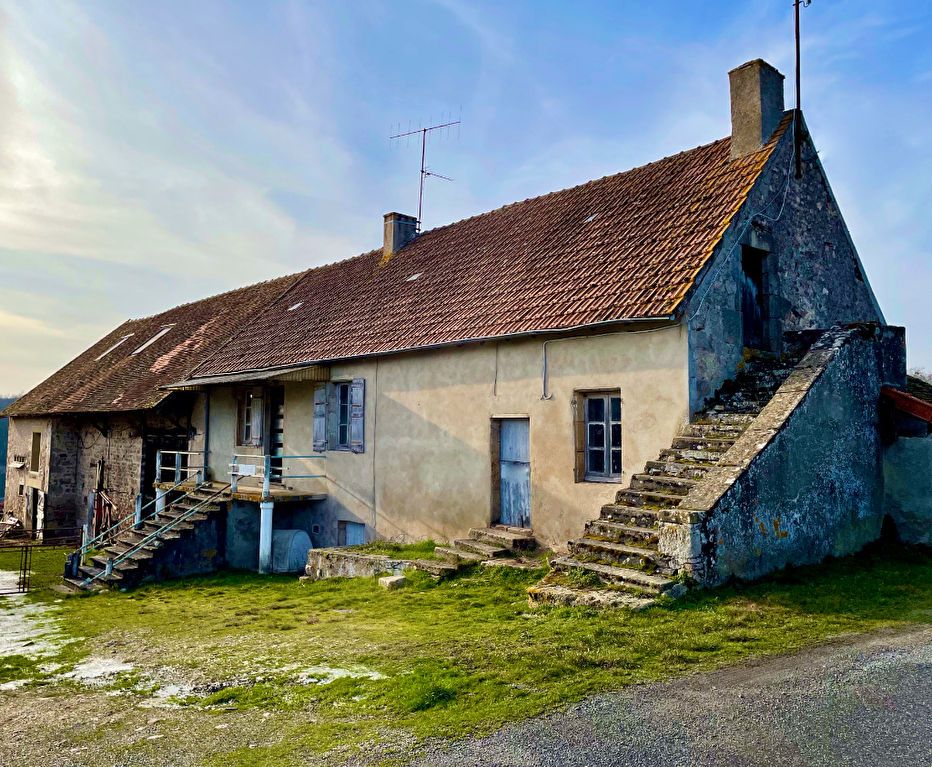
<point>136,515</point>
<point>178,468</point>
<point>155,534</point>
<point>267,469</point>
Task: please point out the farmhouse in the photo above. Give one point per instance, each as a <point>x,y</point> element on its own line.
<point>675,370</point>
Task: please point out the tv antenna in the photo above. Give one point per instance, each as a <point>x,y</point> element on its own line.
<point>797,117</point>
<point>425,171</point>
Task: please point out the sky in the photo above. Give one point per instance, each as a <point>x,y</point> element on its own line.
<point>153,153</point>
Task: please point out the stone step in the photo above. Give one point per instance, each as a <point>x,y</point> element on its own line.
<point>146,552</point>
<point>458,554</point>
<point>558,595</point>
<point>690,455</point>
<point>662,484</point>
<point>176,529</point>
<point>654,498</point>
<point>127,564</point>
<point>715,430</point>
<point>611,553</point>
<point>637,516</point>
<point>174,513</point>
<point>89,571</point>
<point>637,579</point>
<point>713,416</point>
<point>708,444</point>
<point>435,567</point>
<point>487,550</point>
<point>131,537</point>
<point>622,533</point>
<point>507,537</point>
<point>686,469</point>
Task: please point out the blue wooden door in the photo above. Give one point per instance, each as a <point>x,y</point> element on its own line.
<point>515,472</point>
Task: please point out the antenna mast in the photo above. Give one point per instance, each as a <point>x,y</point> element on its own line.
<point>424,170</point>
<point>797,117</point>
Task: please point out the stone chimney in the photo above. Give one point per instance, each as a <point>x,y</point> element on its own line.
<point>399,231</point>
<point>756,105</point>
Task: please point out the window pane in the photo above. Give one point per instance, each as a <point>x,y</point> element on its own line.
<point>616,408</point>
<point>595,409</point>
<point>597,461</point>
<point>616,462</point>
<point>616,435</point>
<point>344,439</point>
<point>596,435</point>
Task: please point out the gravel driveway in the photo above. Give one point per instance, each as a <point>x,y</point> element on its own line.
<point>864,701</point>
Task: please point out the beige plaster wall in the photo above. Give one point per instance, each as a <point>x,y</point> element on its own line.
<point>20,443</point>
<point>427,469</point>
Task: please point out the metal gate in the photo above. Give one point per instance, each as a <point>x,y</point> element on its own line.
<point>20,554</point>
<point>515,472</point>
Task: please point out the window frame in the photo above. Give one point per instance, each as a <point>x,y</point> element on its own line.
<point>610,445</point>
<point>246,400</point>
<point>343,408</point>
<point>35,453</point>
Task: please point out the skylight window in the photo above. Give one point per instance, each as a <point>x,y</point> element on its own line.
<point>295,306</point>
<point>156,337</point>
<point>414,277</point>
<point>123,339</point>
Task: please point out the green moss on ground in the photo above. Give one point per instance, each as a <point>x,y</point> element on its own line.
<point>459,656</point>
<point>419,550</point>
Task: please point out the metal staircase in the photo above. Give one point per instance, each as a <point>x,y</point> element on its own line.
<point>126,552</point>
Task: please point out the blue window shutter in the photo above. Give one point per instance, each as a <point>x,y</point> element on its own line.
<point>320,419</point>
<point>358,415</point>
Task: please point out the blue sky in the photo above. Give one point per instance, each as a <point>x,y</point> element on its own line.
<point>156,152</point>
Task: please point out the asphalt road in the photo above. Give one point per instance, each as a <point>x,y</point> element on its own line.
<point>863,701</point>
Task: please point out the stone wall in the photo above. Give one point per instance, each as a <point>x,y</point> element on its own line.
<point>805,481</point>
<point>814,277</point>
<point>907,470</point>
<point>339,563</point>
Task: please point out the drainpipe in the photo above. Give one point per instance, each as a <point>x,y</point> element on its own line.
<point>265,536</point>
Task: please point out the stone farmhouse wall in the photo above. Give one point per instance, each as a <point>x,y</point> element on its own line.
<point>805,481</point>
<point>815,277</point>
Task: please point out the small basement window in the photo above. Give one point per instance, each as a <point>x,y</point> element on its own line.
<point>599,436</point>
<point>36,451</point>
<point>118,343</point>
<point>156,337</point>
<point>350,533</point>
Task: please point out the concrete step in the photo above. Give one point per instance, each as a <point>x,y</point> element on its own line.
<point>683,469</point>
<point>487,550</point>
<point>691,455</point>
<point>714,416</point>
<point>707,444</point>
<point>662,484</point>
<point>622,533</point>
<point>507,537</point>
<point>174,513</point>
<point>146,552</point>
<point>127,564</point>
<point>656,584</point>
<point>177,529</point>
<point>458,554</point>
<point>437,568</point>
<point>89,571</point>
<point>654,498</point>
<point>558,595</point>
<point>623,554</point>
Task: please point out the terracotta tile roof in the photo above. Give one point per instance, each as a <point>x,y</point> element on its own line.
<point>122,381</point>
<point>621,247</point>
<point>919,388</point>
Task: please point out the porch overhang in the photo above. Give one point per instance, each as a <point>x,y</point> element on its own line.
<point>313,373</point>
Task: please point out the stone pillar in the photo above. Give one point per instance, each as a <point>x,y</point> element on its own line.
<point>265,536</point>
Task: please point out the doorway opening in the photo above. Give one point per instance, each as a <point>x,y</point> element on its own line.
<point>755,299</point>
<point>511,472</point>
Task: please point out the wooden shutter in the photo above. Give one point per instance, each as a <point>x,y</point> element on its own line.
<point>579,437</point>
<point>357,415</point>
<point>257,419</point>
<point>320,419</point>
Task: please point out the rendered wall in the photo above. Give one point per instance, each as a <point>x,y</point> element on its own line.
<point>427,467</point>
<point>20,444</point>
<point>907,472</point>
<point>817,276</point>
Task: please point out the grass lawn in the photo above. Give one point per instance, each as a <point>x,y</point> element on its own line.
<point>431,659</point>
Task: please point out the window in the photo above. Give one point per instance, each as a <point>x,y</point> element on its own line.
<point>339,416</point>
<point>36,451</point>
<point>343,415</point>
<point>350,533</point>
<point>156,337</point>
<point>250,418</point>
<point>601,435</point>
<point>122,340</point>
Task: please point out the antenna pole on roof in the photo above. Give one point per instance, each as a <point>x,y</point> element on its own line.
<point>797,117</point>
<point>425,172</point>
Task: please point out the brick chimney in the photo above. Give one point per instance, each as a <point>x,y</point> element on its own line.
<point>399,231</point>
<point>756,105</point>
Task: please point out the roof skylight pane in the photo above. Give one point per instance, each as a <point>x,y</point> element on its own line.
<point>156,337</point>
<point>128,335</point>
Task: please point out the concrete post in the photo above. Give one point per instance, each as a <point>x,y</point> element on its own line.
<point>160,500</point>
<point>267,476</point>
<point>234,472</point>
<point>137,520</point>
<point>265,536</point>
<point>177,468</point>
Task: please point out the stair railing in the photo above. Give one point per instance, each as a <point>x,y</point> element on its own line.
<point>76,558</point>
<point>238,469</point>
<point>154,535</point>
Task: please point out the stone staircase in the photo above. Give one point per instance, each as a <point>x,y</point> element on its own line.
<point>137,553</point>
<point>494,545</point>
<point>617,561</point>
